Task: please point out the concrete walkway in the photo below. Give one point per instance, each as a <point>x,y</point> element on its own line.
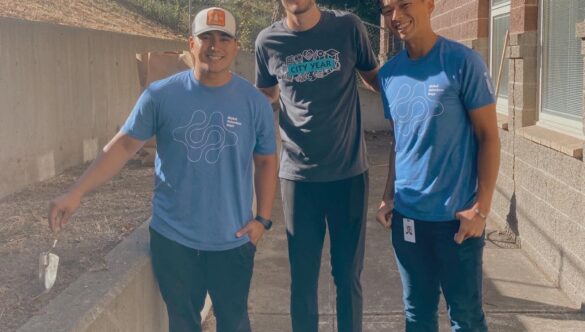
<point>517,295</point>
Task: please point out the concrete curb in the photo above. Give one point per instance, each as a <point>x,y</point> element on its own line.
<point>124,297</point>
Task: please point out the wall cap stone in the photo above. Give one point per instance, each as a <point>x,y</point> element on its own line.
<point>527,38</point>
<point>552,139</point>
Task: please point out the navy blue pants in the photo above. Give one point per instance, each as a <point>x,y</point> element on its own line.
<point>185,276</point>
<point>309,209</point>
<point>434,263</point>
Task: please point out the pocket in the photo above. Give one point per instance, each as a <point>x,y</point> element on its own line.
<point>252,246</point>
<point>471,250</point>
<point>247,250</point>
<point>396,234</point>
<point>474,242</point>
<point>396,220</point>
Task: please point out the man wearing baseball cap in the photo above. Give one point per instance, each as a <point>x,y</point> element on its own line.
<point>211,127</point>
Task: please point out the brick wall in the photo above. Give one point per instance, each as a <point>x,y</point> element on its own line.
<point>523,62</point>
<point>466,21</point>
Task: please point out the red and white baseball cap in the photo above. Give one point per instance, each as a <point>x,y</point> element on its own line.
<point>214,19</point>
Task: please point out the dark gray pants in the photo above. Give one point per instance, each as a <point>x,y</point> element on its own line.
<point>310,207</point>
<point>185,276</point>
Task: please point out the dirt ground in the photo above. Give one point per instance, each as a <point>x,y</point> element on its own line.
<point>105,15</point>
<point>104,218</point>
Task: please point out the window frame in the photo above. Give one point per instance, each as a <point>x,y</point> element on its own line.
<point>550,121</point>
<point>495,11</point>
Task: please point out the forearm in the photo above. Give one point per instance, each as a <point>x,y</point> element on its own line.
<point>488,164</point>
<point>272,93</point>
<point>108,163</point>
<point>389,188</point>
<point>370,79</point>
<point>265,184</point>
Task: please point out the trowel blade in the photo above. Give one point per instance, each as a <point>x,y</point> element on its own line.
<point>48,265</point>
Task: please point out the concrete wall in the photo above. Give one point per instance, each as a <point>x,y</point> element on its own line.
<point>123,297</point>
<point>540,194</point>
<point>64,93</point>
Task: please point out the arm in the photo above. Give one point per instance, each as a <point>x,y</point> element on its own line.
<point>485,128</point>
<point>484,122</point>
<point>114,156</point>
<point>384,214</point>
<point>265,187</point>
<point>370,79</point>
<point>264,183</point>
<point>272,93</point>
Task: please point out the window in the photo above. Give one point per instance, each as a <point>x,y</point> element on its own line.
<point>561,82</point>
<point>500,17</point>
<point>496,3</point>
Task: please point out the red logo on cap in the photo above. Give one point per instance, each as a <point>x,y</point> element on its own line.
<point>216,17</point>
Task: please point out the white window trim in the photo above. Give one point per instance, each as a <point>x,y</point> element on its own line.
<point>501,9</point>
<point>550,121</point>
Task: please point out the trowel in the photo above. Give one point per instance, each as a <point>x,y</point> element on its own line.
<point>48,264</point>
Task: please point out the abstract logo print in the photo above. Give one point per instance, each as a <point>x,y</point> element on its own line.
<point>413,108</point>
<point>309,65</point>
<point>205,138</point>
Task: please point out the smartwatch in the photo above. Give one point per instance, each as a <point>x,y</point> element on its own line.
<point>266,222</point>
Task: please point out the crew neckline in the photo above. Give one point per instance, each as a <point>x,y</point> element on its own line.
<point>198,83</point>
<point>429,53</point>
<point>314,28</point>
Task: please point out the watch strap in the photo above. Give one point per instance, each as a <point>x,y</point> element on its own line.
<point>266,222</point>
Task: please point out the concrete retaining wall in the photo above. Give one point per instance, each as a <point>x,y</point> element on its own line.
<point>123,297</point>
<point>64,93</point>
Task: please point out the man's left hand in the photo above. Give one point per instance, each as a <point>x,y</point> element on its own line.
<point>254,229</point>
<point>471,225</point>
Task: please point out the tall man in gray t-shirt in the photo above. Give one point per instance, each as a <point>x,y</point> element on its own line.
<point>308,60</point>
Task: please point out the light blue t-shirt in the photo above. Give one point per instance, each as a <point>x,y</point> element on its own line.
<point>206,138</point>
<point>429,100</point>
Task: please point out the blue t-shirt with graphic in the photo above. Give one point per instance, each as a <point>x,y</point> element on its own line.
<point>206,138</point>
<point>429,100</point>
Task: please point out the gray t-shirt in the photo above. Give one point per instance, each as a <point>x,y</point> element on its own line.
<point>320,119</point>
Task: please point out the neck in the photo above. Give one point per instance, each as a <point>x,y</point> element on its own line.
<point>304,21</point>
<point>419,47</point>
<point>212,79</point>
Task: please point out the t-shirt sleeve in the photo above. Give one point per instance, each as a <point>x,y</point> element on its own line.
<point>264,79</point>
<point>265,136</point>
<point>476,84</point>
<point>366,60</point>
<point>141,123</point>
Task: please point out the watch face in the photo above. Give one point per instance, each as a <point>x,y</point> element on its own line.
<point>266,222</point>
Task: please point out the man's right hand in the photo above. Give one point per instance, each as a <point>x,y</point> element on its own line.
<point>384,214</point>
<point>61,209</point>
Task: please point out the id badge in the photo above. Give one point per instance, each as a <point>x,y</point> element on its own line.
<point>409,234</point>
